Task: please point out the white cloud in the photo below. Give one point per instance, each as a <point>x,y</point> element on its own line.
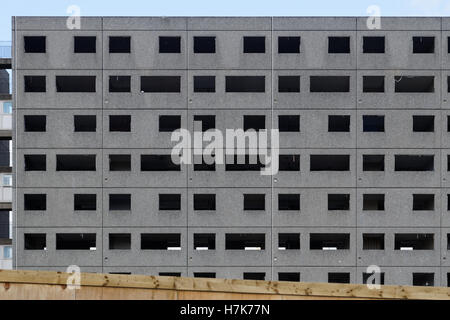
<point>431,7</point>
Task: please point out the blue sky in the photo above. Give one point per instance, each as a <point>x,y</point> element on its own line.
<point>217,8</point>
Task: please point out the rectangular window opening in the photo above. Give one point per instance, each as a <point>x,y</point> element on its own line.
<point>254,44</point>
<point>35,123</point>
<point>245,84</point>
<point>289,202</point>
<point>373,84</point>
<point>373,44</point>
<point>414,162</point>
<point>161,84</point>
<point>169,123</point>
<point>204,44</point>
<point>414,84</point>
<point>338,202</point>
<point>119,162</point>
<point>414,241</point>
<point>255,122</point>
<point>245,241</point>
<point>338,123</point>
<point>207,121</point>
<point>84,44</point>
<point>338,277</point>
<point>120,44</point>
<point>423,202</point>
<point>336,162</point>
<point>289,123</point>
<point>288,83</point>
<point>85,123</point>
<point>76,241</point>
<point>161,241</point>
<point>289,44</point>
<point>35,162</point>
<point>329,241</point>
<point>158,162</point>
<point>289,241</point>
<point>120,123</point>
<point>423,279</point>
<point>329,84</point>
<point>169,201</point>
<point>338,44</point>
<point>254,201</point>
<point>35,241</point>
<point>119,83</point>
<point>34,44</point>
<point>204,202</point>
<point>423,123</point>
<point>83,202</point>
<point>204,241</point>
<point>35,202</point>
<point>373,162</point>
<point>204,84</point>
<point>423,44</point>
<point>210,275</point>
<point>289,276</point>
<point>254,276</point>
<point>35,83</point>
<point>373,202</point>
<point>119,202</point>
<point>119,241</point>
<point>75,162</point>
<point>373,123</point>
<point>289,162</point>
<point>373,241</point>
<point>169,44</point>
<point>75,84</point>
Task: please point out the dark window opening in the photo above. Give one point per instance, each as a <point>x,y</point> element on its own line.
<point>204,202</point>
<point>373,44</point>
<point>120,123</point>
<point>200,164</point>
<point>414,162</point>
<point>254,201</point>
<point>254,122</point>
<point>289,202</point>
<point>35,162</point>
<point>119,241</point>
<point>448,241</point>
<point>169,44</point>
<point>288,44</point>
<point>75,162</point>
<point>158,162</point>
<point>423,279</point>
<point>119,202</point>
<point>423,202</point>
<point>35,241</point>
<point>423,44</point>
<point>373,162</point>
<point>119,83</point>
<point>289,162</point>
<point>119,44</point>
<point>373,84</point>
<point>204,44</point>
<point>289,241</point>
<point>75,83</point>
<point>329,241</point>
<point>85,123</point>
<point>338,277</point>
<point>289,123</point>
<point>288,83</point>
<point>338,44</point>
<point>412,84</point>
<point>169,123</point>
<point>35,202</point>
<point>243,163</point>
<point>119,162</point>
<point>289,276</point>
<point>423,123</point>
<point>338,123</point>
<point>254,44</point>
<point>169,201</point>
<point>211,275</point>
<point>204,241</point>
<point>160,241</point>
<point>208,122</point>
<point>35,123</point>
<point>84,202</point>
<point>170,274</point>
<point>35,83</point>
<point>338,202</point>
<point>373,202</point>
<point>160,84</point>
<point>334,162</point>
<point>373,123</point>
<point>245,241</point>
<point>374,278</point>
<point>75,241</point>
<point>34,44</point>
<point>204,84</point>
<point>329,84</point>
<point>245,84</point>
<point>373,241</point>
<point>414,241</point>
<point>85,44</point>
<point>254,275</point>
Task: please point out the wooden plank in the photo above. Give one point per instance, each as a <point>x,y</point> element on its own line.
<point>22,291</point>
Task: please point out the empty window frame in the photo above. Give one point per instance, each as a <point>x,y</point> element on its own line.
<point>84,44</point>
<point>423,279</point>
<point>35,83</point>
<point>35,162</point>
<point>423,44</point>
<point>373,84</point>
<point>414,162</point>
<point>35,123</point>
<point>254,276</point>
<point>414,241</point>
<point>373,202</point>
<point>204,44</point>
<point>204,84</point>
<point>85,123</point>
<point>119,241</point>
<point>211,275</point>
<point>158,162</point>
<point>255,122</point>
<point>333,162</point>
<point>289,241</point>
<point>169,201</point>
<point>329,241</point>
<point>423,123</point>
<point>75,162</point>
<point>120,123</point>
<point>374,278</point>
<point>373,123</point>
<point>338,277</point>
<point>74,84</point>
<point>170,44</point>
<point>204,202</point>
<point>338,44</point>
<point>338,202</point>
<point>245,241</point>
<point>373,241</point>
<point>289,162</point>
<point>119,202</point>
<point>338,123</point>
<point>289,276</point>
<point>373,162</point>
<point>75,241</point>
<point>423,202</point>
<point>288,83</point>
<point>119,162</point>
<point>169,123</point>
<point>204,241</point>
<point>121,44</point>
<point>254,44</point>
<point>414,84</point>
<point>289,123</point>
<point>326,84</point>
<point>289,44</point>
<point>82,202</point>
<point>254,201</point>
<point>245,84</point>
<point>35,202</point>
<point>288,202</point>
<point>207,121</point>
<point>374,44</point>
<point>35,241</point>
<point>160,241</point>
<point>161,84</point>
<point>170,274</point>
<point>119,83</point>
<point>243,163</point>
<point>34,44</point>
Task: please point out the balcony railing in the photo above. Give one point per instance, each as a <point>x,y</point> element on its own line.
<point>5,49</point>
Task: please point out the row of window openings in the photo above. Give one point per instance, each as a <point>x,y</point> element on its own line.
<point>286,202</point>
<point>239,84</point>
<point>233,241</point>
<point>251,44</point>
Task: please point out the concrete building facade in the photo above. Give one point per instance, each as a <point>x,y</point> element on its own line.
<point>364,143</point>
